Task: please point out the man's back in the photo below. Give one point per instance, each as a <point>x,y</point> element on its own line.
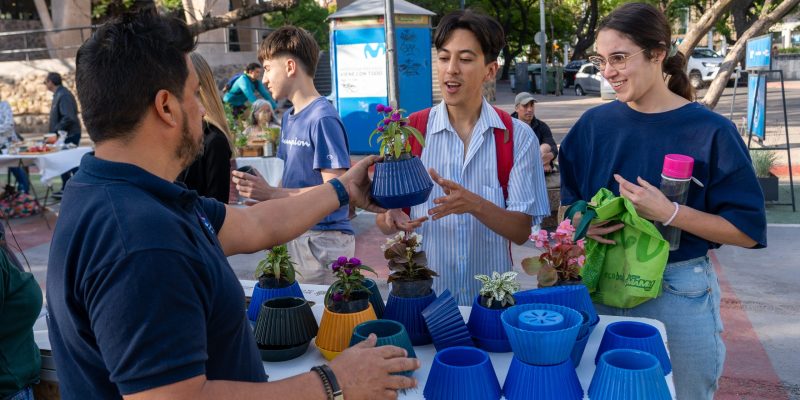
<point>135,287</point>
<point>64,114</point>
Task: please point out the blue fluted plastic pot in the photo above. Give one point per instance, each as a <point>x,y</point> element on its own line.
<point>578,349</point>
<point>389,332</point>
<point>625,374</point>
<point>408,311</point>
<point>401,183</point>
<point>636,336</point>
<point>486,328</point>
<point>550,382</point>
<point>547,347</point>
<point>462,373</point>
<point>260,295</point>
<point>572,296</point>
<point>375,297</point>
<point>445,323</point>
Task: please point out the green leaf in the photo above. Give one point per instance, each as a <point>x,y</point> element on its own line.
<point>418,135</point>
<point>369,141</point>
<point>531,265</point>
<point>367,268</point>
<point>547,276</point>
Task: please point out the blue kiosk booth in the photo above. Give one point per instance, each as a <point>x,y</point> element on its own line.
<point>359,65</point>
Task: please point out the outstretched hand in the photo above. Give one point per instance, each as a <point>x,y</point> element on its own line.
<point>397,220</point>
<point>457,199</point>
<point>356,181</point>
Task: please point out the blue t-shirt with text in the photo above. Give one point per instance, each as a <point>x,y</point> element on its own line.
<point>312,140</point>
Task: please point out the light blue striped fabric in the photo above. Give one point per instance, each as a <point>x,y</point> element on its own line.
<point>459,246</point>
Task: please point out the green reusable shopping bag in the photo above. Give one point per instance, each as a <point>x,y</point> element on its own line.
<point>629,272</point>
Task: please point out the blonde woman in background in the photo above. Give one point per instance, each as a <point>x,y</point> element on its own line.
<point>210,174</point>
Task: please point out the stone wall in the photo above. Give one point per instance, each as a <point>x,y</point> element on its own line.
<point>29,41</point>
<point>21,84</point>
<point>790,64</point>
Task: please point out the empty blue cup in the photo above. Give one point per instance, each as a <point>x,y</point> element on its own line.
<point>636,336</point>
<point>625,374</point>
<point>408,311</point>
<point>445,323</point>
<point>486,328</point>
<point>462,373</point>
<point>542,382</point>
<point>544,347</point>
<point>389,333</point>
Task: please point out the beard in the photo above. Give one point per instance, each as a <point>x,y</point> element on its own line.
<point>188,149</point>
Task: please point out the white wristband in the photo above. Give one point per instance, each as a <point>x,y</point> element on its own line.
<point>674,214</point>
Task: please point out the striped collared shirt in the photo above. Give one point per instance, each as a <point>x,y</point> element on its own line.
<point>460,246</point>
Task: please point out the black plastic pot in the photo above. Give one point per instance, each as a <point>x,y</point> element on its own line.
<point>412,288</point>
<point>285,322</point>
<point>496,305</point>
<point>269,282</point>
<point>769,186</point>
<point>359,301</point>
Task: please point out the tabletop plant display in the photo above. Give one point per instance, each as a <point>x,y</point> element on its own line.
<point>276,278</point>
<point>401,179</point>
<point>496,294</point>
<point>346,305</point>
<point>561,260</point>
<point>412,282</point>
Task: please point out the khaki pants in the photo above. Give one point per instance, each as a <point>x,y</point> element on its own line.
<point>314,252</point>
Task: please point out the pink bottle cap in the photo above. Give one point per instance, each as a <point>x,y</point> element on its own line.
<point>678,166</point>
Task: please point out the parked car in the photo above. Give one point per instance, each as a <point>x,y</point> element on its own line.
<point>570,70</point>
<point>703,67</point>
<point>588,79</point>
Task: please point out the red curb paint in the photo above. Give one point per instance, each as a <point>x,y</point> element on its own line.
<point>748,372</point>
<point>782,171</point>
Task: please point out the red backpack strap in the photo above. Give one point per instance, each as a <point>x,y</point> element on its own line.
<point>418,120</point>
<point>504,145</point>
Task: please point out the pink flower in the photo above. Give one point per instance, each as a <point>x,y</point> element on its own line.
<point>565,228</point>
<point>581,260</point>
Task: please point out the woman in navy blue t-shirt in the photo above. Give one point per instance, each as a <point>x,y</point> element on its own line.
<point>621,146</point>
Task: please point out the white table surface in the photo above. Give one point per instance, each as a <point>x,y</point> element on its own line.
<point>51,165</point>
<point>312,357</point>
<point>271,168</point>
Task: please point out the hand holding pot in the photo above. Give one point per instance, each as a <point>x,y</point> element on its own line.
<point>363,371</point>
<point>356,181</point>
<point>457,199</point>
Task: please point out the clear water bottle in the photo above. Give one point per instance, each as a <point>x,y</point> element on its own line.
<point>676,175</point>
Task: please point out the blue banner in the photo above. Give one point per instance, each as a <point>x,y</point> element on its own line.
<point>758,53</point>
<point>756,120</point>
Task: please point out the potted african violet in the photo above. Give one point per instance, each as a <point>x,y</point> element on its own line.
<point>276,278</point>
<point>346,305</point>
<point>412,282</point>
<point>496,294</point>
<point>401,179</point>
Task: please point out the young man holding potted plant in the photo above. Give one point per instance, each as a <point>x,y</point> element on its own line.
<point>482,215</point>
<point>313,147</point>
<point>141,298</point>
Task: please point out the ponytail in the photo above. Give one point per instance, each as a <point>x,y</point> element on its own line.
<point>675,68</point>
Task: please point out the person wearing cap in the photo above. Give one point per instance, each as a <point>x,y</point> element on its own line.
<point>524,110</point>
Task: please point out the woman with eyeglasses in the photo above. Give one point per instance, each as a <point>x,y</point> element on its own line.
<point>621,146</point>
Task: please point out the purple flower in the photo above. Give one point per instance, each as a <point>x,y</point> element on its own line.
<point>337,297</point>
<point>380,129</point>
<point>341,260</point>
<point>380,108</point>
<point>335,267</point>
<point>403,123</point>
<point>355,262</point>
<point>348,271</point>
<point>396,117</point>
<point>387,109</point>
<point>386,121</point>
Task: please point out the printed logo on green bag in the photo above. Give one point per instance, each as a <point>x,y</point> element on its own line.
<point>631,280</point>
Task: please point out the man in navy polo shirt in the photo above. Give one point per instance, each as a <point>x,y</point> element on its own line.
<point>142,301</point>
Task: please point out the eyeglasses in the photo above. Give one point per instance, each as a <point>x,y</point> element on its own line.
<point>617,61</point>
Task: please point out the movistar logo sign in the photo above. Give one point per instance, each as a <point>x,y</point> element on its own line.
<point>373,50</point>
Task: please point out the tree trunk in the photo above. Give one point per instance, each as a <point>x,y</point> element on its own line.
<point>47,24</point>
<point>703,25</point>
<point>760,26</point>
<point>220,21</point>
<point>586,35</point>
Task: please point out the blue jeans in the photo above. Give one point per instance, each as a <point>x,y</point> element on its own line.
<point>24,394</point>
<point>689,308</point>
<point>23,184</point>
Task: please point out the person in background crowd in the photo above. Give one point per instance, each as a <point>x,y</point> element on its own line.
<point>472,218</point>
<point>63,117</point>
<point>313,146</point>
<point>243,90</point>
<point>142,301</point>
<point>621,146</point>
<point>20,305</point>
<point>210,174</point>
<point>9,135</point>
<point>524,110</point>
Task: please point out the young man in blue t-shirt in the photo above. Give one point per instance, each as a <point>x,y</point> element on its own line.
<point>313,147</point>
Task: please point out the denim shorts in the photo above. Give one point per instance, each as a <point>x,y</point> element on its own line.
<point>24,394</point>
<point>689,308</point>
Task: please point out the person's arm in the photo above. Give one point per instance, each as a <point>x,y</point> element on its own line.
<point>6,119</point>
<point>547,139</point>
<point>512,225</point>
<point>362,372</point>
<point>651,204</point>
<point>267,96</point>
<point>68,110</point>
<point>247,89</point>
<point>257,188</point>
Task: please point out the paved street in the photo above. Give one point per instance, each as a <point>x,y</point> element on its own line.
<point>761,308</point>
